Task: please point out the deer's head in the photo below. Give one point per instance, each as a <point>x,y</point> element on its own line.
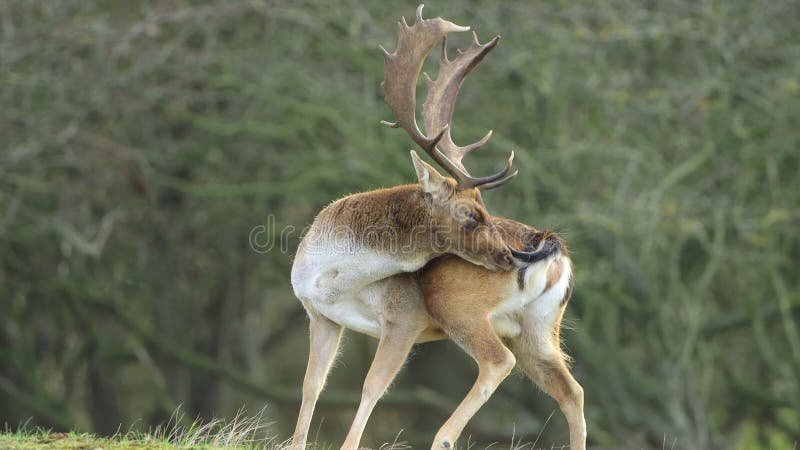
<point>457,201</point>
<point>458,220</point>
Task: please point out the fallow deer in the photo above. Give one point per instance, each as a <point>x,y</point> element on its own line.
<point>499,318</point>
<point>348,269</point>
<point>366,237</point>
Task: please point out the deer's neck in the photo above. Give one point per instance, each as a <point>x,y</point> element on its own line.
<point>395,221</point>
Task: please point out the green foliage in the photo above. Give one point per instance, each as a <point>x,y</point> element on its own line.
<point>142,142</point>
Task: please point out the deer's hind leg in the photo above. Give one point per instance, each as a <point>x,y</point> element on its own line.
<point>459,297</point>
<point>540,357</point>
<point>471,330</point>
<point>495,362</point>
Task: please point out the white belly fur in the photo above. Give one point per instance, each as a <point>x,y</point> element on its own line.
<point>359,312</point>
<point>332,275</point>
<point>349,287</point>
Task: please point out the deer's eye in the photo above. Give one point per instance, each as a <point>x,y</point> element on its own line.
<point>471,217</point>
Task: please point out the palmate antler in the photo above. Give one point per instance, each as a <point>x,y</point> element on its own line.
<point>402,69</point>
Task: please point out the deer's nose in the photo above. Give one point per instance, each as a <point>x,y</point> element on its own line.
<point>505,260</point>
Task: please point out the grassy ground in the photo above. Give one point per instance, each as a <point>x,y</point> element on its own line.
<point>44,440</point>
<point>76,441</point>
<point>242,432</point>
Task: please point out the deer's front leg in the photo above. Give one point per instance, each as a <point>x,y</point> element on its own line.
<point>324,340</point>
<point>395,343</point>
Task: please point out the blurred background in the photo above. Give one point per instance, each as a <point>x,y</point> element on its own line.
<point>142,142</point>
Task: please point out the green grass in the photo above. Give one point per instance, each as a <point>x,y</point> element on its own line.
<point>240,433</point>
<point>44,440</point>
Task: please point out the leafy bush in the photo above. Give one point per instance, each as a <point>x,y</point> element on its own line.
<point>142,142</point>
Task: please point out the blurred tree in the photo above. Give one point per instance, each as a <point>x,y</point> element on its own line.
<point>143,142</point>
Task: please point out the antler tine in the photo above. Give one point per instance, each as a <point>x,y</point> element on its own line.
<point>402,69</point>
<point>437,113</point>
<point>500,178</point>
<point>496,180</point>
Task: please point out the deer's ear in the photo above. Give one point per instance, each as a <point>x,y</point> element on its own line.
<point>432,181</point>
